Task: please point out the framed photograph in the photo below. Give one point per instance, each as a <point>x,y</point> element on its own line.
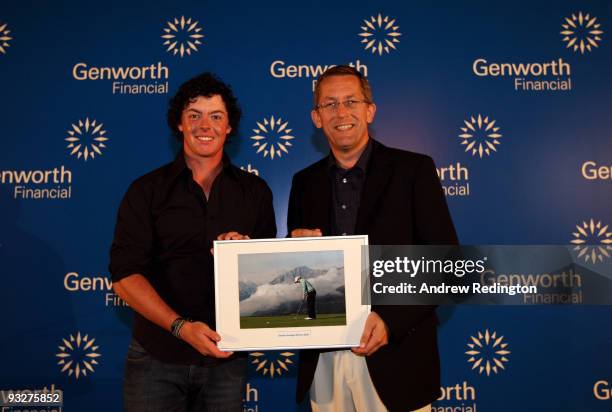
<point>293,293</point>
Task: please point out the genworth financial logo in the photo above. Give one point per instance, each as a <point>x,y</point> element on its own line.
<point>487,352</point>
<point>182,36</point>
<point>455,179</point>
<point>279,69</point>
<point>460,397</point>
<point>78,355</point>
<point>37,184</point>
<point>553,75</point>
<point>98,286</point>
<point>581,32</point>
<point>593,241</point>
<point>148,79</point>
<point>380,35</point>
<point>86,139</point>
<point>5,37</point>
<point>480,135</point>
<point>272,364</point>
<point>272,137</point>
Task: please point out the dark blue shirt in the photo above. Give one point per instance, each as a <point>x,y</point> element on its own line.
<point>347,185</point>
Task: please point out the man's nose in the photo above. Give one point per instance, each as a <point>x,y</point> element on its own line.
<point>342,111</point>
<point>204,123</point>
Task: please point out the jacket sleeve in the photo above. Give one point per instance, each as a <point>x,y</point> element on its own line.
<point>294,211</point>
<point>433,226</point>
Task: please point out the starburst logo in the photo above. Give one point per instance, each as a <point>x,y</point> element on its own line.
<point>380,34</point>
<point>480,135</point>
<point>581,32</point>
<point>86,139</point>
<point>4,37</point>
<point>592,240</point>
<point>272,137</point>
<point>487,352</point>
<point>272,364</point>
<point>78,355</point>
<point>182,36</point>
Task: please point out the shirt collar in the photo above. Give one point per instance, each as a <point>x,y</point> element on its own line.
<point>362,162</point>
<point>179,165</point>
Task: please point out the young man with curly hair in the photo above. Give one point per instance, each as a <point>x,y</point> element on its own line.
<point>161,262</point>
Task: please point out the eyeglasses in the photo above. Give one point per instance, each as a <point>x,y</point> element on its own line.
<point>332,107</point>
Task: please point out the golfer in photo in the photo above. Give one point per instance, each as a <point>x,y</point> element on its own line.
<point>269,296</point>
<point>310,295</point>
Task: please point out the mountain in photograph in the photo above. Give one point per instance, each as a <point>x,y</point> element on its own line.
<point>281,296</point>
<point>246,289</point>
<point>303,271</point>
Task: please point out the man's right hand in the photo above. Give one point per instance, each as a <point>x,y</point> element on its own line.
<point>203,339</point>
<point>306,233</point>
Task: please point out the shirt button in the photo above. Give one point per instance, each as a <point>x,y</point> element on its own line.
<point>343,207</point>
<point>344,180</point>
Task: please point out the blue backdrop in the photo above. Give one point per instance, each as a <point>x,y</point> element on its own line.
<point>511,100</point>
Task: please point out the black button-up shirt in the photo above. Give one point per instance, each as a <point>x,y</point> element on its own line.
<point>347,185</point>
<point>165,229</point>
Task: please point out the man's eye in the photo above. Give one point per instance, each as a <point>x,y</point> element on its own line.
<point>194,116</point>
<point>216,117</point>
<point>350,103</point>
<point>330,105</point>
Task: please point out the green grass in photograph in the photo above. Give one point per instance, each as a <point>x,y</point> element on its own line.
<point>290,321</point>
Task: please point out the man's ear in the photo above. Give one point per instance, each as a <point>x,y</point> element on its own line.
<point>316,118</point>
<point>371,112</point>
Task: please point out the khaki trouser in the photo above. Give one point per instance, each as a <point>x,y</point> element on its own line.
<point>342,383</point>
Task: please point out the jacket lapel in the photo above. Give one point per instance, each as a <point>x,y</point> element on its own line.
<point>378,176</point>
<point>320,201</point>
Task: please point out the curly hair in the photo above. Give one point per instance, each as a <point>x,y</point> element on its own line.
<point>206,85</point>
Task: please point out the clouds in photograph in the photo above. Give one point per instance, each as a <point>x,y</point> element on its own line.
<point>275,287</point>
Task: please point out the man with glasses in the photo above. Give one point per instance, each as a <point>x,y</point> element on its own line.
<point>161,261</point>
<point>395,197</point>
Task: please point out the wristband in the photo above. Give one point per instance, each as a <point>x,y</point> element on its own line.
<point>177,325</point>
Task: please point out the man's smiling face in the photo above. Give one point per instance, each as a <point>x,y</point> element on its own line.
<point>346,129</point>
<point>205,126</point>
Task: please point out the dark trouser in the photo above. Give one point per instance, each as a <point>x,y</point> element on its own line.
<point>150,385</point>
<point>310,301</point>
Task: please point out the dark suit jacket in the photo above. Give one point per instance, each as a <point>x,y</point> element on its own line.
<point>402,203</point>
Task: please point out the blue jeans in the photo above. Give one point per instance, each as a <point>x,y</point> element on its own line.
<point>150,385</point>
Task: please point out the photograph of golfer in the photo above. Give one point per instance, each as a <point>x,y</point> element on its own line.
<point>309,295</point>
<point>291,289</point>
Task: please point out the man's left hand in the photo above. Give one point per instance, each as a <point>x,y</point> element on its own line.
<point>375,335</point>
<point>230,236</point>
